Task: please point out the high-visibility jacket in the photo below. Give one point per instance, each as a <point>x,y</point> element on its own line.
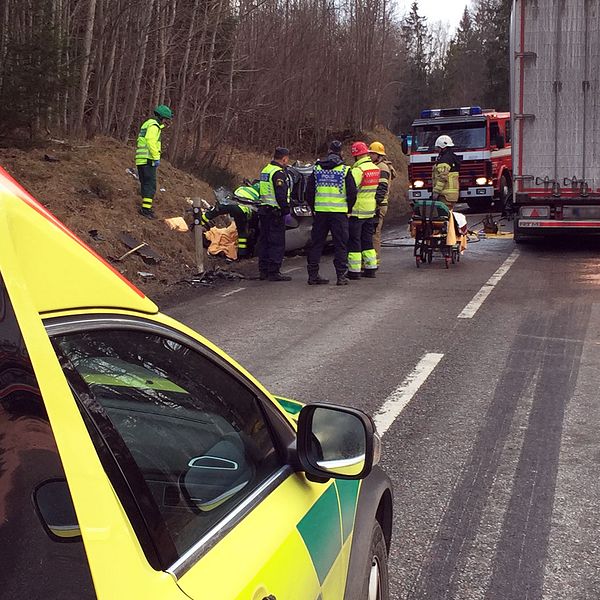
<point>247,192</point>
<point>330,192</point>
<point>366,174</point>
<point>148,142</point>
<point>445,176</point>
<point>247,210</point>
<point>267,188</point>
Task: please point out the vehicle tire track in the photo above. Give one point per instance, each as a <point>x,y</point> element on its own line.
<point>531,353</point>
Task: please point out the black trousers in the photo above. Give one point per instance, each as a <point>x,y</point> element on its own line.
<point>360,236</point>
<point>147,175</point>
<point>323,223</point>
<point>361,252</point>
<point>271,240</point>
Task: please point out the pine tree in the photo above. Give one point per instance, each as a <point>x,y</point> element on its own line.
<point>465,65</point>
<point>32,75</point>
<point>415,93</point>
<point>492,19</point>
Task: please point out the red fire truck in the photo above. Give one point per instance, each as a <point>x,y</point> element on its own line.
<point>482,139</point>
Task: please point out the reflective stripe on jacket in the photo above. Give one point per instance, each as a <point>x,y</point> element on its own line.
<point>330,193</point>
<point>247,192</point>
<point>445,176</point>
<point>148,142</point>
<point>247,210</point>
<point>267,189</point>
<point>366,174</point>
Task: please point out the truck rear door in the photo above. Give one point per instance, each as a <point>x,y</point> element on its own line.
<point>554,88</point>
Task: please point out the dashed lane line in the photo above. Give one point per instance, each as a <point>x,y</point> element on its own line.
<point>232,292</point>
<point>397,401</point>
<point>468,312</point>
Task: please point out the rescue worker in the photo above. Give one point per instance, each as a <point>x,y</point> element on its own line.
<point>445,174</point>
<point>360,242</point>
<point>248,197</point>
<point>244,213</point>
<point>331,192</point>
<point>274,200</point>
<point>388,174</point>
<point>147,156</point>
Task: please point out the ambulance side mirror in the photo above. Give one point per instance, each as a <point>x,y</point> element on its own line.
<point>405,146</point>
<point>336,442</point>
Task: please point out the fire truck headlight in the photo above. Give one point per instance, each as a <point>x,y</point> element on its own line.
<point>481,180</point>
<point>418,184</point>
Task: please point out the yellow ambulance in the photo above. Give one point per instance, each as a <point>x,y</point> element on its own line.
<point>139,461</point>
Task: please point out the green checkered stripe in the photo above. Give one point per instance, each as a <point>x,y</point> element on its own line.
<point>321,529</point>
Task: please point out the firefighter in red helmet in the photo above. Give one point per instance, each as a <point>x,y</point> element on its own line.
<point>361,221</point>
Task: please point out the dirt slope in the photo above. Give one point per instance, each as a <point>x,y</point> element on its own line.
<point>88,189</point>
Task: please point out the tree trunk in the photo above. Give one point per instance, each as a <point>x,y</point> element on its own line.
<point>138,69</point>
<point>85,64</point>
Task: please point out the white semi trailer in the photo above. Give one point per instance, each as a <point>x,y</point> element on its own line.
<point>555,98</point>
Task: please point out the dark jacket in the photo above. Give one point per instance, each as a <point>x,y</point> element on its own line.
<point>281,184</point>
<point>332,161</point>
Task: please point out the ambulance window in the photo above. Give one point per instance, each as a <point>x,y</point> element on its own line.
<point>195,432</point>
<point>41,556</point>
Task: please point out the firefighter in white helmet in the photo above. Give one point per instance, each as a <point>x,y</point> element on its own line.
<point>446,172</point>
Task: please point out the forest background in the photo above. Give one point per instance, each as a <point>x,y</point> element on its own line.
<point>241,73</point>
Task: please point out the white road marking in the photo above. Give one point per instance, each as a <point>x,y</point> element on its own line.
<point>233,292</point>
<point>468,312</point>
<point>397,401</point>
<point>291,270</point>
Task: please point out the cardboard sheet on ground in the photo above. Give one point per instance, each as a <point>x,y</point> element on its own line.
<point>223,239</point>
<point>177,224</point>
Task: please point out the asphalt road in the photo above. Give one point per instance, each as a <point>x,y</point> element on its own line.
<point>496,457</point>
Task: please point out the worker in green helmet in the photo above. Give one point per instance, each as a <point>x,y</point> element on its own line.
<point>147,156</point>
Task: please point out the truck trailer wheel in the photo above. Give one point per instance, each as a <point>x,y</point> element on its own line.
<point>518,237</point>
<point>504,190</point>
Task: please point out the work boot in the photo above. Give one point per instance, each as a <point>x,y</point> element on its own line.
<point>353,276</point>
<point>317,280</point>
<point>279,277</point>
<point>369,273</point>
<point>147,212</point>
<point>342,280</point>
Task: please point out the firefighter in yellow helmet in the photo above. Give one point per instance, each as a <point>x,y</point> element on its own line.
<point>446,172</point>
<point>147,156</point>
<point>388,174</point>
